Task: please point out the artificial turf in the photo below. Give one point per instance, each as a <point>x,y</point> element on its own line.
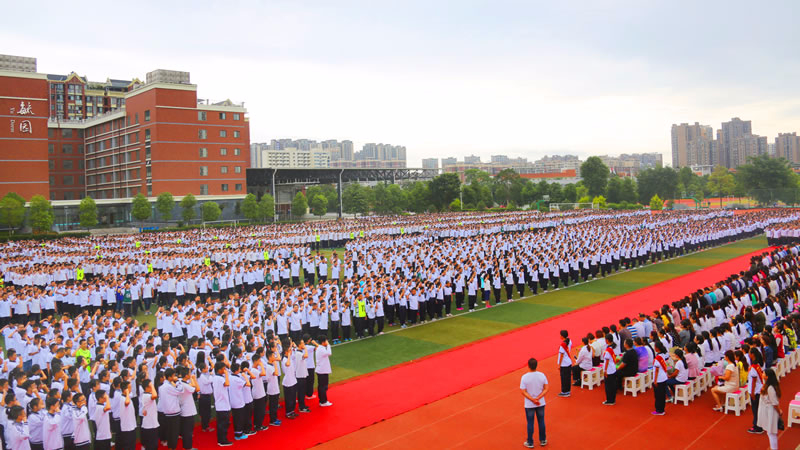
<point>402,345</point>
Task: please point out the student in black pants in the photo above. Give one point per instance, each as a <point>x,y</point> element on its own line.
<point>565,362</point>
<point>610,368</point>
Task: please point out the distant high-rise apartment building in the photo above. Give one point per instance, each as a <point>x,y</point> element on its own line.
<point>499,159</point>
<point>449,162</point>
<point>689,144</point>
<point>787,145</point>
<point>472,159</point>
<point>730,152</point>
<point>430,163</point>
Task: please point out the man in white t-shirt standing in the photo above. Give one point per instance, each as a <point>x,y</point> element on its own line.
<point>534,387</point>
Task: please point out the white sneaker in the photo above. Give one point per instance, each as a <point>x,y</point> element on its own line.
<point>326,404</point>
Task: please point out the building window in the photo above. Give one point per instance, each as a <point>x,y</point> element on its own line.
<point>51,148</point>
<point>238,187</point>
<point>147,115</point>
<point>147,134</point>
<point>204,153</point>
<point>222,116</point>
<point>224,188</point>
<point>237,152</point>
<point>223,152</point>
<point>52,180</point>
<point>66,148</point>
<point>203,189</point>
<point>236,134</point>
<point>80,164</point>
<point>235,116</point>
<point>80,149</point>
<point>51,164</point>
<point>68,180</point>
<point>136,118</point>
<point>201,115</point>
<point>202,134</point>
<point>223,169</point>
<point>237,169</point>
<point>149,190</point>
<point>69,195</point>
<point>67,164</point>
<point>203,171</point>
<point>66,133</point>
<point>223,133</point>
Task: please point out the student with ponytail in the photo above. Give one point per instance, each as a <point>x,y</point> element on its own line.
<point>660,378</point>
<point>565,362</point>
<point>610,369</point>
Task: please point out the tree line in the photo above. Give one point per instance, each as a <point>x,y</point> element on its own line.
<point>767,180</point>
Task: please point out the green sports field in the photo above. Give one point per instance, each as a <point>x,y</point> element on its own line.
<point>401,345</point>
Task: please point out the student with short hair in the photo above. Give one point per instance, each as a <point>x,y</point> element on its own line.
<point>53,439</point>
<point>534,386</point>
<point>81,436</point>
<point>102,420</point>
<point>126,439</point>
<point>222,403</point>
<point>149,411</point>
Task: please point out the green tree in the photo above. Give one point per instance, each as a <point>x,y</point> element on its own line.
<point>661,181</point>
<point>41,215</point>
<point>250,207</point>
<point>600,201</point>
<point>355,199</point>
<point>12,211</point>
<point>570,193</point>
<point>319,205</point>
<point>455,205</point>
<point>165,203</point>
<point>721,182</point>
<point>595,175</point>
<point>768,179</point>
<point>266,207</point>
<point>188,202</point>
<point>140,208</point>
<point>628,191</point>
<point>299,205</point>
<point>211,211</point>
<point>614,190</point>
<point>88,212</point>
<point>444,188</point>
<point>656,204</point>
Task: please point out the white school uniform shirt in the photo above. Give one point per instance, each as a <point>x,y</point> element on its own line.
<point>533,383</point>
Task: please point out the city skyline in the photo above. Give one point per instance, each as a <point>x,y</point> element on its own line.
<point>520,80</point>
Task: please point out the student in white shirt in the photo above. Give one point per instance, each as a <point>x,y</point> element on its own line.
<point>149,411</point>
<point>102,420</point>
<point>610,369</point>
<point>582,362</point>
<point>222,403</point>
<point>322,355</point>
<point>534,386</point>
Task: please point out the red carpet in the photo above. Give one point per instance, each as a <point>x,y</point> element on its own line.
<point>369,399</point>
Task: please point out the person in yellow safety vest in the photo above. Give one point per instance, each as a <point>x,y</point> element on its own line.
<point>149,267</point>
<point>361,315</point>
<point>79,274</point>
<point>317,238</point>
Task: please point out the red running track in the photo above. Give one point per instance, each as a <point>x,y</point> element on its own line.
<point>366,400</point>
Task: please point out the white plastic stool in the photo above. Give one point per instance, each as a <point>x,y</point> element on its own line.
<point>632,385</point>
<point>794,412</point>
<point>684,393</point>
<point>590,378</point>
<point>735,402</point>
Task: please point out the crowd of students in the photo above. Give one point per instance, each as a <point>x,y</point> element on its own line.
<point>241,313</point>
<point>737,328</point>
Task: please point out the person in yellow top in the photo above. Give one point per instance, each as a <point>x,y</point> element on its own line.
<point>84,351</point>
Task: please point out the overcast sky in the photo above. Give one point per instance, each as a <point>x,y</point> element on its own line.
<point>522,78</point>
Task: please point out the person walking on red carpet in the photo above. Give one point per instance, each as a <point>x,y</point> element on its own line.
<point>534,387</point>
